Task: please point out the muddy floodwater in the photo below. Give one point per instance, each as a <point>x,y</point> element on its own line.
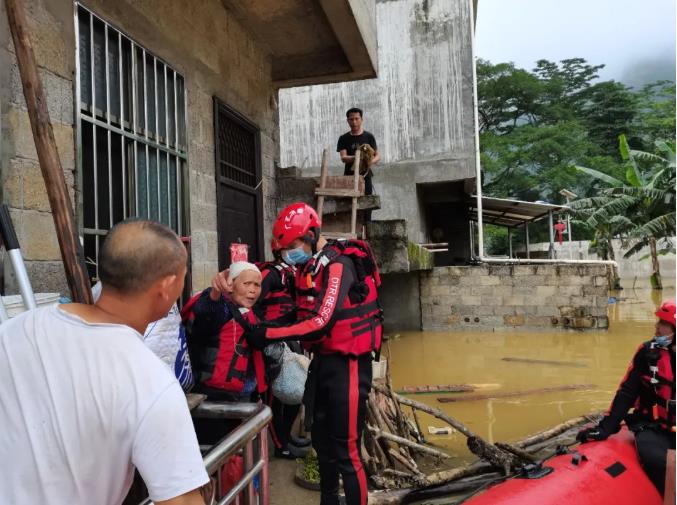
<point>596,358</point>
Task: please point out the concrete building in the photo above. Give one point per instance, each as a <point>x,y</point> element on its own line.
<point>420,110</point>
<point>166,109</point>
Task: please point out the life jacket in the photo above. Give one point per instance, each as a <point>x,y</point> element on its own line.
<point>223,361</point>
<point>357,329</point>
<point>656,400</point>
<point>278,305</point>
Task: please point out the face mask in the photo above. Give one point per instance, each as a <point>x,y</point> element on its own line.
<point>297,256</point>
<point>663,340</point>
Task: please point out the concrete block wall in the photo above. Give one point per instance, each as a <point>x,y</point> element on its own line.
<point>22,188</point>
<point>514,297</point>
<point>203,41</point>
<point>635,272</point>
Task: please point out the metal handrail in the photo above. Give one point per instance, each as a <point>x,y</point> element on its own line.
<point>254,428</point>
<point>257,418</point>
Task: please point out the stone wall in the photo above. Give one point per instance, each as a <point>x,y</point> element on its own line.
<point>22,188</point>
<point>635,272</point>
<point>201,40</point>
<point>514,297</point>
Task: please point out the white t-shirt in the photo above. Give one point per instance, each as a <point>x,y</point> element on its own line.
<point>81,405</point>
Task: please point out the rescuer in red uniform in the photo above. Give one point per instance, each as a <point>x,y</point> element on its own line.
<point>339,320</point>
<point>649,387</point>
<point>276,305</point>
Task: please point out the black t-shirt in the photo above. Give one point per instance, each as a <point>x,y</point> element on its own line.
<point>350,143</point>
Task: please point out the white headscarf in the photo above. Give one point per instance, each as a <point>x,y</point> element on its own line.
<point>240,266</point>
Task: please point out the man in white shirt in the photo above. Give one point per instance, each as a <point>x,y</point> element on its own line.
<point>83,401</point>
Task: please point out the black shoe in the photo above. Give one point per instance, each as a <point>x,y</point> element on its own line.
<point>284,454</point>
<point>291,452</point>
<point>300,442</point>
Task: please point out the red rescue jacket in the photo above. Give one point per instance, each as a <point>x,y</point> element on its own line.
<point>337,300</point>
<point>649,387</point>
<point>658,387</point>
<point>223,360</point>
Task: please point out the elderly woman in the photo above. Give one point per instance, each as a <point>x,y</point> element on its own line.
<point>649,387</point>
<point>226,368</point>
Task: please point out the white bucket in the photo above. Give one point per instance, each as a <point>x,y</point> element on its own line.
<point>15,305</point>
<point>378,369</point>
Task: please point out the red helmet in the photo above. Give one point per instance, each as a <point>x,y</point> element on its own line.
<point>666,312</point>
<point>294,222</point>
<point>274,245</point>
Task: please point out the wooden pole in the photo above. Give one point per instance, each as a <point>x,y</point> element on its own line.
<point>512,394</point>
<point>356,188</point>
<point>429,410</point>
<point>323,182</point>
<point>407,443</point>
<point>50,165</point>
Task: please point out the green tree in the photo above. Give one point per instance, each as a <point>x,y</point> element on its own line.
<point>639,206</point>
<point>566,88</point>
<point>507,96</point>
<point>656,114</point>
<point>535,125</point>
<point>609,108</point>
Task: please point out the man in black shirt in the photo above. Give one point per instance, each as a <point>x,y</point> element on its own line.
<point>349,142</point>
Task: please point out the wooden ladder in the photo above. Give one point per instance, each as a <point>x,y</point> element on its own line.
<point>354,193</point>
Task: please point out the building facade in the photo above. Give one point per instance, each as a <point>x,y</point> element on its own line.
<point>420,109</point>
<point>168,110</point>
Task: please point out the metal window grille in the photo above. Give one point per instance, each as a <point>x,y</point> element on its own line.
<point>131,133</point>
<point>237,149</point>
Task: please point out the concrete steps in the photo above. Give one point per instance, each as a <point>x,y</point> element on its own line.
<point>394,252</point>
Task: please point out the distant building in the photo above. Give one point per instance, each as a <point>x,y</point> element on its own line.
<point>421,111</point>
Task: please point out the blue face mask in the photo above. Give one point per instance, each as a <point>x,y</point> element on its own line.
<point>663,340</point>
<point>297,256</point>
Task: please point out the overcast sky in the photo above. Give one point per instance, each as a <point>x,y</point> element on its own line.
<point>635,39</point>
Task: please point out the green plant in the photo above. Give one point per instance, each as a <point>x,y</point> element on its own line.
<point>311,468</point>
<point>640,206</point>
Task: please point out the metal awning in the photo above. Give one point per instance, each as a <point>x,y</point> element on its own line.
<point>512,213</point>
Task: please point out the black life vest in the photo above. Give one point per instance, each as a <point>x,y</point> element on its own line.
<point>278,306</point>
<point>224,361</point>
<point>358,322</point>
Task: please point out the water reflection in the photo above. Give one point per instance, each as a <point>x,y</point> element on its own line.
<point>425,358</point>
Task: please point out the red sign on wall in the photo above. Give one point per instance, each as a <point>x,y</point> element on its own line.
<point>239,252</point>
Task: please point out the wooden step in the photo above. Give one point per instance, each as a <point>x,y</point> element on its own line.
<point>338,193</point>
<point>337,235</point>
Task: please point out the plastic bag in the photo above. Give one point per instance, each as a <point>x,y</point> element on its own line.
<point>290,383</point>
<point>166,337</point>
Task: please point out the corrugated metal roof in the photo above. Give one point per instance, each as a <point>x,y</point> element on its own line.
<point>512,213</point>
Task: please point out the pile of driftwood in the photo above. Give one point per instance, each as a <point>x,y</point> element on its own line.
<point>394,446</point>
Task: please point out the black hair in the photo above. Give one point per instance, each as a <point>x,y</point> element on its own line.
<point>352,110</point>
<point>312,241</point>
<point>136,253</point>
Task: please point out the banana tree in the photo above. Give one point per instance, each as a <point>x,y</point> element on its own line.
<point>640,207</point>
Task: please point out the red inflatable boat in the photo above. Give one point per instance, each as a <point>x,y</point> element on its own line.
<point>600,473</point>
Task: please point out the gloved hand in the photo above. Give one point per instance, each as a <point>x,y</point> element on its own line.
<point>256,336</point>
<point>592,433</point>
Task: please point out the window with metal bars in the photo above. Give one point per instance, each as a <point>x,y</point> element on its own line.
<point>131,133</point>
